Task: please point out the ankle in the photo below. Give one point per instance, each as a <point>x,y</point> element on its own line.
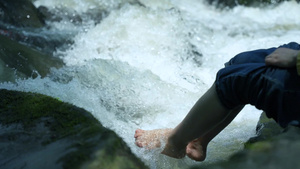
<point>174,150</point>
<point>203,141</point>
<point>176,142</point>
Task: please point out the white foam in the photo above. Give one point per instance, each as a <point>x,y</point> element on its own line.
<point>137,69</point>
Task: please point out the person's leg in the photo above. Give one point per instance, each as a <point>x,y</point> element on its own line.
<point>232,83</point>
<point>196,149</point>
<point>206,114</point>
<point>240,82</point>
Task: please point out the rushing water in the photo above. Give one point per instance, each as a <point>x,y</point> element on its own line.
<point>144,66</point>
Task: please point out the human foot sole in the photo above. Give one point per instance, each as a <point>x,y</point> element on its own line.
<point>151,139</point>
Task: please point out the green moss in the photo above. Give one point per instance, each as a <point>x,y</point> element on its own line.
<point>261,146</point>
<point>62,121</point>
<point>32,107</point>
<point>105,160</point>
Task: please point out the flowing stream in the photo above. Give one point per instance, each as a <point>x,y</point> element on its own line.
<point>144,66</point>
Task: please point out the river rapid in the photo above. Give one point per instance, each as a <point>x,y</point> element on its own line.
<point>145,64</point>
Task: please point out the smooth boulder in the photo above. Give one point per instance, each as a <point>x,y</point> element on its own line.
<point>38,131</point>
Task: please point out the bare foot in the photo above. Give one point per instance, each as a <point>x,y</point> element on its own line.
<point>151,139</point>
<point>196,150</point>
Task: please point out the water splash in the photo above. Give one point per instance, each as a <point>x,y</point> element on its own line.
<point>144,66</point>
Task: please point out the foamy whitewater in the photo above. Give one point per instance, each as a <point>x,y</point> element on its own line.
<point>145,66</point>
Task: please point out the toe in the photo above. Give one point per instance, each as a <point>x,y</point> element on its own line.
<point>195,151</point>
<point>138,132</point>
<point>139,143</point>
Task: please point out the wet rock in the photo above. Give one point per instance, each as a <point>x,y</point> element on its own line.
<point>273,148</point>
<point>20,13</point>
<point>95,14</point>
<point>21,21</point>
<point>43,40</point>
<point>24,62</point>
<point>59,14</point>
<point>38,131</point>
<point>233,3</point>
<point>266,129</point>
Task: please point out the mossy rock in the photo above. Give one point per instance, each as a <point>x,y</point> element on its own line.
<point>266,129</point>
<point>280,152</point>
<point>273,148</point>
<point>38,131</point>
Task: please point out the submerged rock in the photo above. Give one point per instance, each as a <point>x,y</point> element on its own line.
<point>22,22</point>
<point>21,13</point>
<point>23,61</point>
<point>232,3</point>
<point>273,148</point>
<point>38,131</point>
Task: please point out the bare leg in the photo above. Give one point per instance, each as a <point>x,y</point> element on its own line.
<point>206,114</point>
<point>196,149</point>
<point>204,121</point>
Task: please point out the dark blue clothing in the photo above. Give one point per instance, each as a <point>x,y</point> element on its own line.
<point>247,80</point>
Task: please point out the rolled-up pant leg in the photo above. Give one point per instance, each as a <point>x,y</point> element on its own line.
<point>247,80</point>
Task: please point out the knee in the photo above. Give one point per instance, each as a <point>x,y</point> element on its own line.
<point>235,84</point>
<point>256,56</point>
<point>291,45</point>
<point>227,91</point>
